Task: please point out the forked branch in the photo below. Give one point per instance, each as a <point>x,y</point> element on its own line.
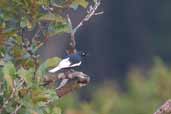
<point>91,11</point>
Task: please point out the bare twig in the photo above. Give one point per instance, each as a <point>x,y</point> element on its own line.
<point>26,44</point>
<point>7,101</point>
<point>11,96</point>
<point>38,30</point>
<point>69,21</point>
<point>17,109</point>
<point>73,42</point>
<point>33,57</point>
<point>90,12</point>
<point>42,32</point>
<point>99,13</point>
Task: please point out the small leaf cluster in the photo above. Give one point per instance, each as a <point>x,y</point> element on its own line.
<point>17,87</point>
<point>29,14</point>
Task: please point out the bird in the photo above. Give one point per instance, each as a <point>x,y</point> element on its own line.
<point>70,61</point>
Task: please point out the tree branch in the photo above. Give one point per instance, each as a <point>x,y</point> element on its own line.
<point>17,109</point>
<point>70,81</point>
<point>165,108</point>
<point>90,13</point>
<point>75,81</point>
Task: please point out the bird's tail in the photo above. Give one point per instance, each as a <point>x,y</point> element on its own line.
<point>54,69</point>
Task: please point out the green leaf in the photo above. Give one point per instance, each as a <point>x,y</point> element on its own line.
<point>74,6</point>
<point>82,3</point>
<point>25,23</point>
<point>26,74</point>
<point>9,81</point>
<point>56,110</point>
<point>53,18</point>
<point>9,72</point>
<point>52,95</point>
<point>56,28</point>
<point>52,62</point>
<point>94,1</point>
<point>9,69</point>
<point>2,63</point>
<point>40,95</point>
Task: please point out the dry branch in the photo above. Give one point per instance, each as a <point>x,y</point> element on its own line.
<point>70,81</point>
<point>17,109</point>
<point>165,108</point>
<point>76,81</point>
<point>90,13</point>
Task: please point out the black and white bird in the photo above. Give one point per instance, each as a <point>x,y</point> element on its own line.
<point>70,61</point>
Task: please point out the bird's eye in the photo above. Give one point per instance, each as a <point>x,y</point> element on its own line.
<point>83,54</point>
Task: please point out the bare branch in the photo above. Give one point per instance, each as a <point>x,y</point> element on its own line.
<point>11,96</point>
<point>73,42</point>
<point>75,80</point>
<point>17,109</point>
<point>165,108</point>
<point>38,30</point>
<point>70,81</point>
<point>99,13</point>
<point>69,21</point>
<point>90,12</point>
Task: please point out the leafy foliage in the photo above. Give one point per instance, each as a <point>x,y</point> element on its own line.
<point>25,26</point>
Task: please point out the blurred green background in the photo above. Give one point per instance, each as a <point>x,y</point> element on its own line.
<point>145,92</point>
